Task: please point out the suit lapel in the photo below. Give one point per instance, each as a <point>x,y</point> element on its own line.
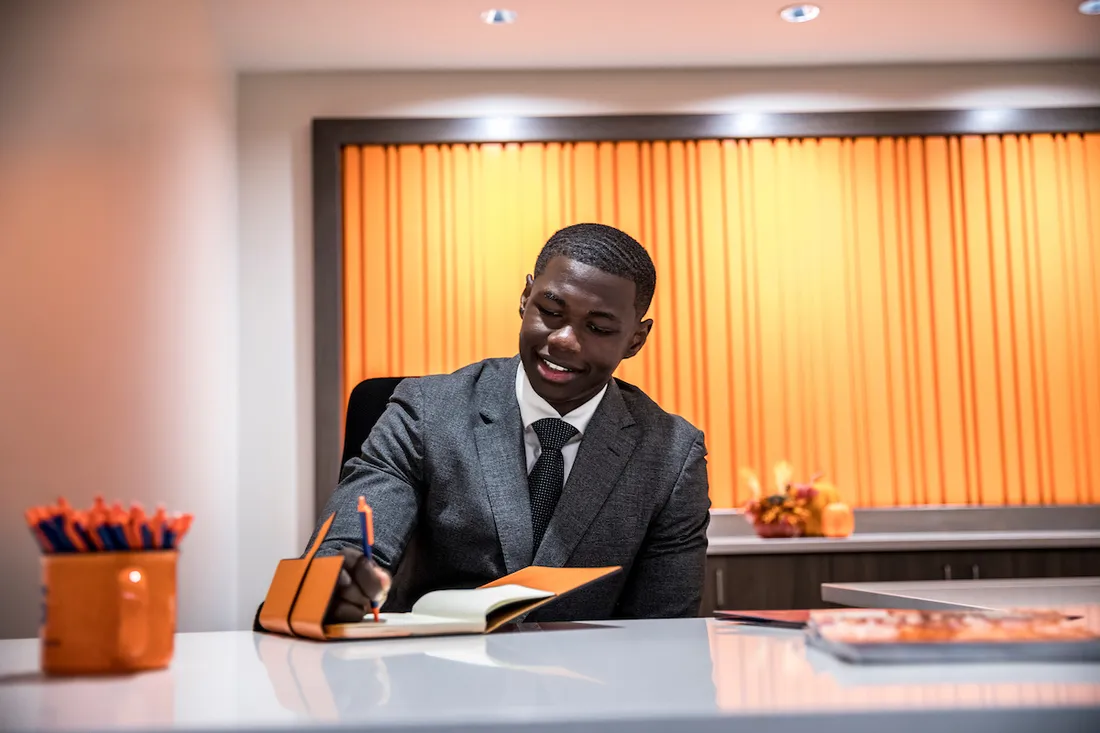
<point>604,451</point>
<point>499,438</point>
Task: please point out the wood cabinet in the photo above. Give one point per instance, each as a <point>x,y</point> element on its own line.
<point>789,581</point>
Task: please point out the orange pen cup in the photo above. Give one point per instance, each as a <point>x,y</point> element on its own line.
<point>108,612</point>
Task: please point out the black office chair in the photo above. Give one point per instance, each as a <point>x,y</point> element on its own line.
<point>365,405</point>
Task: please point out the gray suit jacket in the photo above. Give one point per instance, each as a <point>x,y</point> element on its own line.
<point>445,473</point>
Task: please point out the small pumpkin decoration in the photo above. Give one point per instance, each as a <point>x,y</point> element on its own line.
<point>837,520</point>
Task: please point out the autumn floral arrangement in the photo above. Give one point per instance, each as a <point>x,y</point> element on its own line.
<point>811,509</point>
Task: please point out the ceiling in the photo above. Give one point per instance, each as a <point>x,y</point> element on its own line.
<point>315,35</point>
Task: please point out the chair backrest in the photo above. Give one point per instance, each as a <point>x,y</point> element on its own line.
<point>365,405</point>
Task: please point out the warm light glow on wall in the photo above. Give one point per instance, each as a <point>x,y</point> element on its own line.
<point>917,317</point>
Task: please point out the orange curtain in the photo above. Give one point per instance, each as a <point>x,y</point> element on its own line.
<point>919,318</point>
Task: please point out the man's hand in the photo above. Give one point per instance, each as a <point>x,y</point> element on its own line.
<point>361,581</point>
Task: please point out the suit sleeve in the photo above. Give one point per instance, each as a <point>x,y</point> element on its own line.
<point>389,473</point>
<point>666,579</point>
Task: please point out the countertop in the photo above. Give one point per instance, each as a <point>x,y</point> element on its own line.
<point>684,675</point>
<point>965,594</point>
<point>745,544</point>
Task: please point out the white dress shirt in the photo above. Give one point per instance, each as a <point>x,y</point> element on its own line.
<point>533,407</point>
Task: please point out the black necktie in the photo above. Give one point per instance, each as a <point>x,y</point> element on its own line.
<point>548,474</point>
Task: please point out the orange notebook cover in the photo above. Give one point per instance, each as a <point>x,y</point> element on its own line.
<point>299,596</point>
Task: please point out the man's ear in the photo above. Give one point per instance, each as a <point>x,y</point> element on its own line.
<point>526,294</point>
<point>637,341</point>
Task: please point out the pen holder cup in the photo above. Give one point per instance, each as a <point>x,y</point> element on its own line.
<point>108,612</point>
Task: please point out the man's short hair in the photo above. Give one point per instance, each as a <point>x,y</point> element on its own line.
<point>607,249</point>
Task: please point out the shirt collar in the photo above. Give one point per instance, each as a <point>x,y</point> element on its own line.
<point>533,407</point>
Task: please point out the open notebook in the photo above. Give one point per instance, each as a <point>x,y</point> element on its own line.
<point>472,611</point>
<point>300,593</point>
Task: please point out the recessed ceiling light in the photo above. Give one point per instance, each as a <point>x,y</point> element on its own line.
<point>799,13</point>
<point>1089,7</point>
<point>499,17</point>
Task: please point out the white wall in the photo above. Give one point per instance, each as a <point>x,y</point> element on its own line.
<point>118,282</point>
<point>274,114</point>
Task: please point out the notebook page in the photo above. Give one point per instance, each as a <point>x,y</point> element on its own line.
<point>404,624</point>
<point>474,604</point>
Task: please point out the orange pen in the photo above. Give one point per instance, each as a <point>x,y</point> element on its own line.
<point>68,527</point>
<point>156,524</point>
<point>91,528</point>
<point>31,516</point>
<point>52,522</point>
<point>116,522</point>
<point>46,520</point>
<point>366,520</point>
<point>133,527</point>
<point>183,523</point>
<point>94,525</point>
<point>58,528</point>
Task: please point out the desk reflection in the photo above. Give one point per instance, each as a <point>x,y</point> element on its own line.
<point>643,669</point>
<point>31,699</point>
<point>759,669</point>
<point>529,667</point>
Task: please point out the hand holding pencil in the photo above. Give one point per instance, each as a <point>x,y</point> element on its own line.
<point>362,585</point>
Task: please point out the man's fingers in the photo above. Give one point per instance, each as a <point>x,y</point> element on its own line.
<point>371,580</point>
<point>349,591</point>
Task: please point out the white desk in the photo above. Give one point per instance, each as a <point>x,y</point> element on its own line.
<point>963,594</point>
<point>690,676</point>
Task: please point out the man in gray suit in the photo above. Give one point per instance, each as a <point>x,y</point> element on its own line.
<point>540,459</point>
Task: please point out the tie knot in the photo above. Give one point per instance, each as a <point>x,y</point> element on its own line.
<point>553,432</point>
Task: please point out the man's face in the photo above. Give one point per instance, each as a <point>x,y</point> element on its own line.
<point>578,324</point>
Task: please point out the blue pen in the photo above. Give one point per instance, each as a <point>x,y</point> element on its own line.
<point>31,516</point>
<point>58,525</point>
<point>116,521</point>
<point>107,537</point>
<point>84,535</point>
<point>366,523</point>
<point>56,537</point>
